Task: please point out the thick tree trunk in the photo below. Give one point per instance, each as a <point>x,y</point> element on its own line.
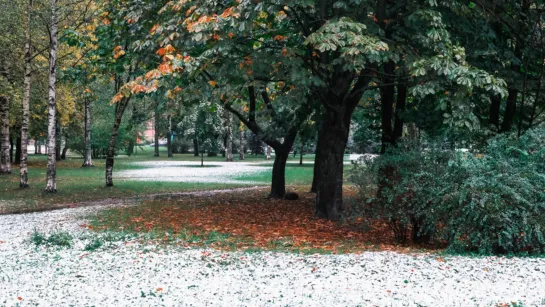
<point>18,144</point>
<point>88,155</point>
<point>23,166</point>
<point>331,145</point>
<point>195,147</point>
<point>241,145</point>
<point>119,110</point>
<point>278,184</point>
<point>5,162</point>
<point>51,174</point>
<point>281,153</point>
<point>156,136</point>
<point>169,137</point>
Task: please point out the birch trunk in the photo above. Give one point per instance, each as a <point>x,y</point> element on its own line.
<point>51,174</point>
<point>88,151</point>
<point>23,166</point>
<point>269,152</point>
<point>5,163</point>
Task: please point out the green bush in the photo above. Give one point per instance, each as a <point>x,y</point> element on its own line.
<point>492,202</point>
<point>496,203</point>
<point>408,187</point>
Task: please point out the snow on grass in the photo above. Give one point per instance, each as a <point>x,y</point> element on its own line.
<point>130,274</point>
<point>191,171</point>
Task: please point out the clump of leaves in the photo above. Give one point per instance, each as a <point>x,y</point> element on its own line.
<point>93,245</point>
<point>59,238</point>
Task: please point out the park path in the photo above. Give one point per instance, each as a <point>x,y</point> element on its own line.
<point>131,273</point>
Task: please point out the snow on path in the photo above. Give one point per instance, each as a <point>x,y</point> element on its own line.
<point>136,275</point>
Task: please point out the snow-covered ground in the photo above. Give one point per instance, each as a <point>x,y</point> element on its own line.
<point>137,275</point>
<point>190,171</point>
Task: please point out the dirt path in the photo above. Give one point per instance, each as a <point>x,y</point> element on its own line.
<point>6,209</point>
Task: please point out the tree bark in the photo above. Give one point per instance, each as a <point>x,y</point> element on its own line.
<point>331,145</point>
<point>494,116</point>
<point>195,147</point>
<point>387,106</point>
<point>11,151</point>
<point>316,172</point>
<point>18,144</point>
<point>51,174</point>
<point>228,124</point>
<point>5,163</point>
<point>119,110</point>
<point>241,145</point>
<point>281,153</point>
<point>169,137</point>
<point>65,148</point>
<point>23,166</point>
<point>156,135</point>
<point>88,158</point>
<point>301,155</point>
<point>400,107</point>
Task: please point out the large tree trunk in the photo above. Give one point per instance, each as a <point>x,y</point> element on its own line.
<point>51,174</point>
<point>241,145</point>
<point>119,110</point>
<point>169,137</point>
<point>88,156</point>
<point>156,136</point>
<point>5,163</point>
<point>23,166</point>
<point>331,145</point>
<point>281,153</point>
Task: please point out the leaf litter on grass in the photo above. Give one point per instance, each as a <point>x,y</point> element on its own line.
<point>247,221</point>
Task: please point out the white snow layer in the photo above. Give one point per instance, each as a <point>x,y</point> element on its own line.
<point>147,275</point>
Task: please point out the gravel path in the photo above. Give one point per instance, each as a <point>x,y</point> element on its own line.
<point>136,275</point>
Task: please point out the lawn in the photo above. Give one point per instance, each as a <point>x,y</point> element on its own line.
<point>76,184</point>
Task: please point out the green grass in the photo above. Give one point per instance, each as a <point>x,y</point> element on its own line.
<point>76,184</point>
